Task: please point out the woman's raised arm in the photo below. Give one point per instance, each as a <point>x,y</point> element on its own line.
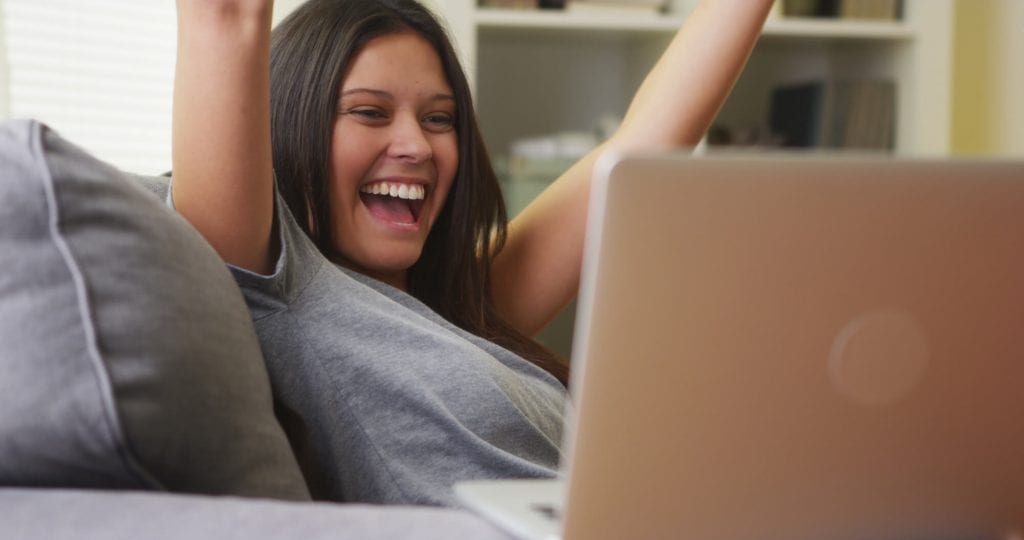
<point>538,272</point>
<point>223,179</point>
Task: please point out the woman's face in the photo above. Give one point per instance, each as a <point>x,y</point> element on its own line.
<point>394,154</point>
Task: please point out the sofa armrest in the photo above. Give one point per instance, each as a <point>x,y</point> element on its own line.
<point>59,514</point>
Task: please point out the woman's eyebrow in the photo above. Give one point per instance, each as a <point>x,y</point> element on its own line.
<point>387,95</point>
<point>379,93</point>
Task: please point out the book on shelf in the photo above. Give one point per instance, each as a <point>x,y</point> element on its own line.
<point>616,7</point>
<point>885,10</point>
<point>509,4</point>
<point>889,10</point>
<point>808,8</point>
<point>521,4</point>
<point>837,114</point>
<point>606,7</point>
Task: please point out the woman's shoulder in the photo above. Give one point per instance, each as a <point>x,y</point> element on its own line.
<point>297,264</point>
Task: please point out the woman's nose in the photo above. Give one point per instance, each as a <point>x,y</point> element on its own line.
<point>409,140</point>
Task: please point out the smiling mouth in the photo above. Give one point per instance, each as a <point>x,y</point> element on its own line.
<point>394,202</point>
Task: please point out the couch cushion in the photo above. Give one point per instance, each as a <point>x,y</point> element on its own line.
<point>67,514</point>
<point>128,358</point>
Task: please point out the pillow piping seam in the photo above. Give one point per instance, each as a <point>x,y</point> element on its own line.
<point>84,309</point>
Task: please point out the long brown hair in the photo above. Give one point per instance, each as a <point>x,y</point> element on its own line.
<point>310,52</point>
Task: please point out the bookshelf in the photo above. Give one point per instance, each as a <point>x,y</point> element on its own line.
<point>537,72</point>
<point>543,71</point>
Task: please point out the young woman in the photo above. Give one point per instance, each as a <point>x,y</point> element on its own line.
<point>337,167</point>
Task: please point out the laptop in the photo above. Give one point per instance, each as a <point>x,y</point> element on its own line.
<point>787,347</point>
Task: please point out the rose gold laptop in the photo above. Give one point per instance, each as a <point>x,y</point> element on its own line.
<point>792,348</point>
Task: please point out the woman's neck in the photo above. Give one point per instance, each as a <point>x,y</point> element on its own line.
<point>397,279</point>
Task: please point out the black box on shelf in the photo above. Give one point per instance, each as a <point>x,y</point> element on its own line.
<point>841,114</point>
<point>848,9</point>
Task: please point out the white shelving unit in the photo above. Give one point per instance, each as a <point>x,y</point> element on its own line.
<point>541,71</point>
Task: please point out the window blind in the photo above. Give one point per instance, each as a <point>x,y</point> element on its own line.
<point>100,72</point>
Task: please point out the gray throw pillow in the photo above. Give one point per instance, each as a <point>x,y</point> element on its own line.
<point>128,358</point>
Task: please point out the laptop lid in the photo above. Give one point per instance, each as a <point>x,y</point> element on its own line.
<point>800,347</point>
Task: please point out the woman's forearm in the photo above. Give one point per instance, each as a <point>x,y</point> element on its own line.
<point>683,93</point>
<point>221,127</point>
<point>538,271</point>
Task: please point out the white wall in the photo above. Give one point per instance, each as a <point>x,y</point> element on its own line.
<point>282,8</point>
<point>4,98</point>
<point>1010,48</point>
<point>127,124</point>
<point>988,111</point>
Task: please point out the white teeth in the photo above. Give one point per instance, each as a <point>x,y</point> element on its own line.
<point>401,191</point>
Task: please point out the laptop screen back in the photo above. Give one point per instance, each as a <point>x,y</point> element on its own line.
<point>786,348</point>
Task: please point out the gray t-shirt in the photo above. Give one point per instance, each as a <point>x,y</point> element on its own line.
<point>385,401</point>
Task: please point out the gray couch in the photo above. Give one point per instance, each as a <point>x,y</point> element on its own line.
<point>133,398</point>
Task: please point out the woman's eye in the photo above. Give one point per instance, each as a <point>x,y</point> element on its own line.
<point>369,114</point>
<point>439,121</point>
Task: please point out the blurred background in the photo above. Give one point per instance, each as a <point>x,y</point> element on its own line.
<point>552,78</point>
